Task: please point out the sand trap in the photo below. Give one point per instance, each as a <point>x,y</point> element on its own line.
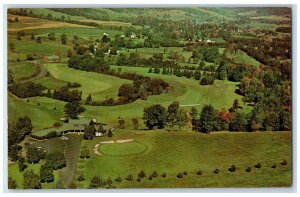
<point>108,142</point>
<point>97,145</point>
<point>97,153</point>
<point>124,141</point>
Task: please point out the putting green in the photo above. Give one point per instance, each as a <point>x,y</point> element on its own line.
<point>123,149</point>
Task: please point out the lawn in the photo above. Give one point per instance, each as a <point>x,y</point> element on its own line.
<point>244,58</point>
<point>23,70</point>
<point>174,152</point>
<point>100,86</point>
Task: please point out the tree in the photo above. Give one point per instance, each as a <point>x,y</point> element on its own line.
<point>96,182</point>
<point>188,120</point>
<point>32,36</point>
<point>121,122</point>
<point>73,109</point>
<point>84,153</point>
<point>88,99</point>
<point>235,106</point>
<point>172,117</point>
<point>207,119</point>
<point>63,39</point>
<point>51,36</point>
<point>21,163</point>
<point>38,40</point>
<point>46,174</point>
<point>16,19</point>
<point>34,155</point>
<point>56,160</point>
<point>31,180</point>
<point>69,53</point>
<point>239,122</point>
<point>12,184</point>
<point>135,123</point>
<point>194,114</point>
<point>155,116</point>
<point>89,132</point>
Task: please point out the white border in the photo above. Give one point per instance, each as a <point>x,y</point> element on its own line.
<point>156,3</point>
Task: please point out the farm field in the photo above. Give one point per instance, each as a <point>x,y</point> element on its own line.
<point>195,97</point>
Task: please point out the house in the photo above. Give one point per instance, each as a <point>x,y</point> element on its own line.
<point>75,125</point>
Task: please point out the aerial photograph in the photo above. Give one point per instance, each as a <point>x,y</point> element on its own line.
<point>149,97</point>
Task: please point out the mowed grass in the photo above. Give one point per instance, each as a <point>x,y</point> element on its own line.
<point>244,58</point>
<point>186,91</point>
<point>174,152</point>
<point>100,86</point>
<point>23,70</point>
<point>42,115</point>
<point>123,149</point>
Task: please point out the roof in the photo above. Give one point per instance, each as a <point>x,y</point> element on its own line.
<point>73,124</point>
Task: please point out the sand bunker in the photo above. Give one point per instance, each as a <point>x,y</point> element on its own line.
<point>97,153</point>
<point>108,142</point>
<point>124,141</point>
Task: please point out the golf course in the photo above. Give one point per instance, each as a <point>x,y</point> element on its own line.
<point>152,98</point>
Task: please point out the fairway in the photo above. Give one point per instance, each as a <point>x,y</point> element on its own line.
<point>100,86</point>
<point>174,152</point>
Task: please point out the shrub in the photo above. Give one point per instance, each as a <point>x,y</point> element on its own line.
<point>273,166</point>
<point>54,108</point>
<point>139,180</point>
<point>258,165</point>
<point>29,57</point>
<point>142,174</point>
<point>27,100</point>
<point>248,169</point>
<point>150,177</point>
<point>216,171</point>
<point>118,179</point>
<point>51,134</point>
<point>57,124</point>
<point>164,175</point>
<point>284,163</point>
<point>129,177</point>
<point>184,173</point>
<point>81,178</point>
<point>199,172</point>
<point>179,175</point>
<point>154,174</point>
<point>232,168</point>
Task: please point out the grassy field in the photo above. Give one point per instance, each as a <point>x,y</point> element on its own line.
<point>100,86</point>
<point>23,70</point>
<point>29,23</point>
<point>167,152</point>
<point>244,58</point>
<point>186,91</point>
